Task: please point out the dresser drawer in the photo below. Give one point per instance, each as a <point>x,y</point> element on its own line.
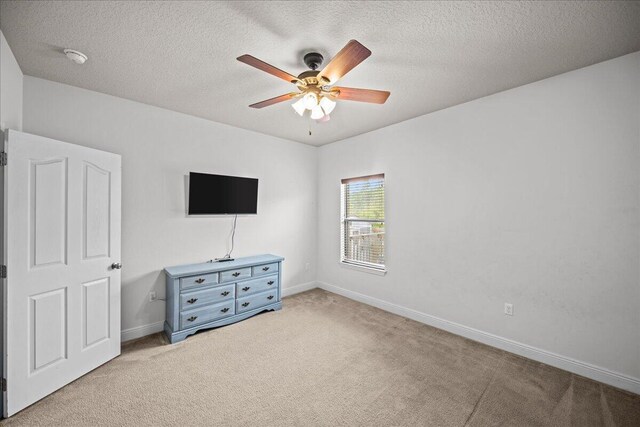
<point>256,301</point>
<point>206,314</point>
<point>232,275</point>
<point>257,285</point>
<point>264,269</point>
<point>189,300</point>
<point>202,280</point>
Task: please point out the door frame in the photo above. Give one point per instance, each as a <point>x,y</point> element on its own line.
<point>3,258</point>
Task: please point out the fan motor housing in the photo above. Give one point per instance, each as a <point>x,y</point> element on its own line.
<point>308,74</point>
<point>307,79</point>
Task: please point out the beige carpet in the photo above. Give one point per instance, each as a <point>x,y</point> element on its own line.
<point>326,360</point>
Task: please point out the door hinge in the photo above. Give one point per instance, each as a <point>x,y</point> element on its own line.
<point>3,158</point>
<point>3,271</point>
<point>4,384</point>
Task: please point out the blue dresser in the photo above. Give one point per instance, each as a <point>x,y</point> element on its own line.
<point>212,294</point>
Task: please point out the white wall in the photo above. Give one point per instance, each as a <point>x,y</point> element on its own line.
<point>10,88</point>
<point>530,196</point>
<point>158,149</point>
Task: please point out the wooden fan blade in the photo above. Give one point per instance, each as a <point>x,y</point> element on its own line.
<point>362,95</point>
<point>261,65</point>
<point>344,61</point>
<point>275,100</point>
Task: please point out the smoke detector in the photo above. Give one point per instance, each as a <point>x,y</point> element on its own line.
<point>75,56</point>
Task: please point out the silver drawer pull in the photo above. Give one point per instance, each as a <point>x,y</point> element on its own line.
<point>270,297</point>
<point>265,268</point>
<point>192,300</point>
<point>270,282</point>
<point>224,310</point>
<point>200,280</point>
<point>244,304</point>
<point>192,318</point>
<point>236,274</point>
<point>246,288</point>
<point>225,293</point>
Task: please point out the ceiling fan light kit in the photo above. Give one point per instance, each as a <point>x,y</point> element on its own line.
<point>327,105</point>
<point>316,91</point>
<point>317,113</point>
<point>299,106</point>
<point>310,100</point>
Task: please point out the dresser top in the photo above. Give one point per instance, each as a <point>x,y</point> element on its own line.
<point>211,267</point>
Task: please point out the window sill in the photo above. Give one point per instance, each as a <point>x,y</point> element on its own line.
<point>370,270</point>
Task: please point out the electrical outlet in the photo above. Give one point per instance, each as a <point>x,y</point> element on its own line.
<point>152,296</point>
<point>508,309</point>
<point>307,267</point>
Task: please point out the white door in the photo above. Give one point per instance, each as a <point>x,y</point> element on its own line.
<point>62,293</point>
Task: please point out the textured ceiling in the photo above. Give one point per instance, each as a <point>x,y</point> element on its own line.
<point>430,55</point>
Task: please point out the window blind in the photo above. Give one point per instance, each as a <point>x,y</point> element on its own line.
<point>363,221</point>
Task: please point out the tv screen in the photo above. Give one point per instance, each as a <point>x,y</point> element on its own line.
<point>221,194</point>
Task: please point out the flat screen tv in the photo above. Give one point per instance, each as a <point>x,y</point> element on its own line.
<point>222,195</point>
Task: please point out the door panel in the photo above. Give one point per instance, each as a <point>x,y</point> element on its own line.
<point>97,185</point>
<point>48,329</point>
<point>61,235</point>
<point>48,211</point>
<point>95,311</point>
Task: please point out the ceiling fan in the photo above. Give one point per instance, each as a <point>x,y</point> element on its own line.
<point>315,88</point>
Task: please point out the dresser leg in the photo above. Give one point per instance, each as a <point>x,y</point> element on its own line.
<point>173,338</point>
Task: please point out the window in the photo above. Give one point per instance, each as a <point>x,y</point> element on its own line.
<point>362,222</point>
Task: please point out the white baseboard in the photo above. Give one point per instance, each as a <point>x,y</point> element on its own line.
<point>292,290</point>
<point>152,328</point>
<point>566,363</point>
<point>141,331</point>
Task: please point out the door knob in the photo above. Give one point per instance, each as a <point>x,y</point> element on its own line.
<point>116,266</point>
